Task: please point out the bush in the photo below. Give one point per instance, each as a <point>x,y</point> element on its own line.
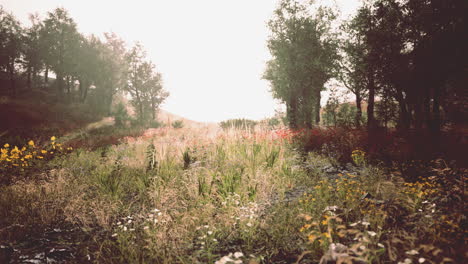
<point>155,124</point>
<point>178,124</point>
<point>120,115</point>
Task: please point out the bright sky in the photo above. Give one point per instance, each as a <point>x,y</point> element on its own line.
<point>211,53</point>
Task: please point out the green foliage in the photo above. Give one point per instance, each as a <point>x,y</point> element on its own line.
<point>155,124</point>
<point>152,163</point>
<point>10,45</point>
<point>111,182</point>
<point>387,111</point>
<point>178,124</point>
<point>120,115</point>
<point>144,84</point>
<point>297,72</point>
<point>188,158</point>
<point>239,123</point>
<point>272,157</point>
<point>339,114</point>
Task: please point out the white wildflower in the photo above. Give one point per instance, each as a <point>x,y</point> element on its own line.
<point>380,245</point>
<point>412,252</point>
<point>421,260</point>
<point>238,254</point>
<point>224,260</point>
<point>371,233</point>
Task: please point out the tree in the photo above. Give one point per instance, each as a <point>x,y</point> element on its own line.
<point>353,66</point>
<point>304,55</point>
<point>32,59</point>
<point>330,113</point>
<point>413,53</point>
<point>10,46</point>
<point>144,84</point>
<point>114,68</point>
<point>61,39</point>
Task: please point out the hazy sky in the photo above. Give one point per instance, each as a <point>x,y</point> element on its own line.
<point>211,53</point>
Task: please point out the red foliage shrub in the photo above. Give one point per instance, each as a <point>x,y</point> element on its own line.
<point>380,145</point>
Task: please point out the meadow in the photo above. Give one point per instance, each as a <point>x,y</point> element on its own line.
<point>203,195</point>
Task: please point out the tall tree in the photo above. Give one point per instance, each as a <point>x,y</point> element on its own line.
<point>144,84</point>
<point>10,46</point>
<point>32,59</point>
<point>304,57</point>
<point>61,38</point>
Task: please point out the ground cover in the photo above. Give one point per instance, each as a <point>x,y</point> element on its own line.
<point>201,195</point>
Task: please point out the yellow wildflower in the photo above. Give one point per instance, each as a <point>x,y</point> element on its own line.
<point>6,145</point>
<point>53,138</point>
<point>312,237</point>
<point>31,143</point>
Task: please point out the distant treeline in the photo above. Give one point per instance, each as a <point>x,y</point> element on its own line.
<point>80,64</point>
<point>411,56</point>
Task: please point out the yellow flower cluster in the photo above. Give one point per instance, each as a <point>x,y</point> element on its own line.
<point>421,189</point>
<point>348,189</point>
<point>324,230</point>
<point>359,157</point>
<point>21,158</point>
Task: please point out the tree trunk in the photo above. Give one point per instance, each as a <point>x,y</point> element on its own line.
<point>11,73</point>
<point>80,89</point>
<point>291,112</point>
<point>153,109</point>
<point>46,76</point>
<point>308,109</point>
<point>427,109</point>
<point>83,87</point>
<point>59,82</point>
<point>68,85</point>
<point>29,77</point>
<point>436,111</point>
<point>34,77</point>
<point>359,110</point>
<point>370,102</point>
<point>140,105</point>
<point>404,119</point>
<point>317,106</point>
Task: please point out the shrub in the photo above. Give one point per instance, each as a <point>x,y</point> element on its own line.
<point>178,124</point>
<point>120,115</point>
<point>155,124</point>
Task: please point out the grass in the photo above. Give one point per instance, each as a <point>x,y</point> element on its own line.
<point>197,196</point>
